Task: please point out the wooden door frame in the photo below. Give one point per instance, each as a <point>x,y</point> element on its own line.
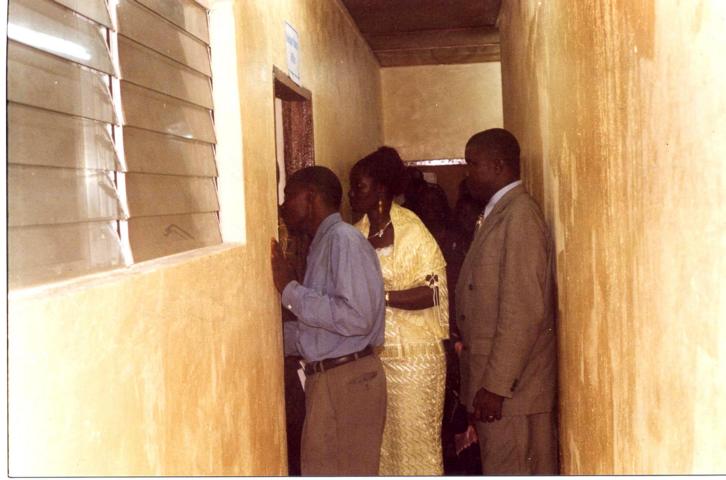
<point>297,107</point>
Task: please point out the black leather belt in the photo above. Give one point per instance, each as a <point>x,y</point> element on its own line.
<point>328,363</point>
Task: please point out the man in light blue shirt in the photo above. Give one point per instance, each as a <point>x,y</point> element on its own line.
<point>340,312</point>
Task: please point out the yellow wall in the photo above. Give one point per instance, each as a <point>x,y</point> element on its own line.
<point>430,111</point>
<point>174,367</point>
<point>336,66</point>
<point>620,108</point>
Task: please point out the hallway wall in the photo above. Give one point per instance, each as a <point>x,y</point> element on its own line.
<point>338,68</point>
<point>620,108</point>
<point>146,371</point>
<point>174,366</point>
<point>430,111</point>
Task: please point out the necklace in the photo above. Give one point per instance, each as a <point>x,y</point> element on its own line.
<point>380,232</point>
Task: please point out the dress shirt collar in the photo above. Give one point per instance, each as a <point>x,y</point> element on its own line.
<point>323,228</point>
<point>498,196</point>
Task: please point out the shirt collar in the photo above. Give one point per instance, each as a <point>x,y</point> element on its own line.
<point>324,226</point>
<point>498,196</point>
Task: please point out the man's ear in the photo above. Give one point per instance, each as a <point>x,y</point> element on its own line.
<point>499,166</point>
<point>313,197</point>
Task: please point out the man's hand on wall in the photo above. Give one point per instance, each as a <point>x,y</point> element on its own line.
<point>487,406</point>
<point>282,271</point>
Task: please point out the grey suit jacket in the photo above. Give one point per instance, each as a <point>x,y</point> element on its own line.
<point>505,309</point>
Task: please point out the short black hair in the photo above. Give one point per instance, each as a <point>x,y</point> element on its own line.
<point>323,181</point>
<point>498,143</point>
<point>386,168</point>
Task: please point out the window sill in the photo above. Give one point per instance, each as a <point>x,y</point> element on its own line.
<point>120,274</point>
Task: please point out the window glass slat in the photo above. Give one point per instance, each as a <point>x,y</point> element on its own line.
<point>186,14</point>
<point>47,26</point>
<point>54,252</point>
<point>63,204</point>
<point>42,195</point>
<point>150,195</point>
<point>68,141</point>
<point>38,79</point>
<point>147,68</point>
<point>150,152</point>
<point>152,237</point>
<point>147,109</point>
<point>94,9</point>
<point>148,29</point>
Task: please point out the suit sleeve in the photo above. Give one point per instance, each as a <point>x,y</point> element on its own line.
<point>521,303</point>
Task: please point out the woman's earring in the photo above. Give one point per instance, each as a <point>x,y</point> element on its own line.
<point>380,206</point>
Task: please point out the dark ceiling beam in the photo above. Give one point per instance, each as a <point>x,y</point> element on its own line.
<point>428,32</point>
<point>451,37</point>
<point>388,16</point>
<point>438,56</point>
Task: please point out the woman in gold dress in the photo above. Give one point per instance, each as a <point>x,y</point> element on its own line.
<point>414,275</point>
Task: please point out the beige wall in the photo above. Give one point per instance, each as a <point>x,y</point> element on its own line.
<point>430,111</point>
<point>336,66</point>
<point>174,367</point>
<point>168,369</point>
<point>620,108</point>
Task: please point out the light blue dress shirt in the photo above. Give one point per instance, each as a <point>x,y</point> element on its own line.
<point>340,305</point>
<point>498,196</point>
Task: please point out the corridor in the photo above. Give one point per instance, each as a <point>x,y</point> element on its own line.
<point>144,332</point>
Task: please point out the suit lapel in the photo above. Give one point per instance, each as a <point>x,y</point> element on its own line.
<point>494,217</point>
<point>497,213</point>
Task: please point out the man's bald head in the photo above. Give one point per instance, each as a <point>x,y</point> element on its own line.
<point>495,144</point>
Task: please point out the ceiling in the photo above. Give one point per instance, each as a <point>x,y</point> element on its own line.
<point>428,32</point>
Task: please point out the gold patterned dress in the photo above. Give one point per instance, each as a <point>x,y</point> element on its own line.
<point>413,355</point>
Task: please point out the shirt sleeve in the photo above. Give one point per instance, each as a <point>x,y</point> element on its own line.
<point>427,258</point>
<point>432,262</point>
<point>347,307</point>
<point>426,261</point>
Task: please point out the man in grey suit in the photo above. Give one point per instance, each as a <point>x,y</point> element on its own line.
<point>505,313</point>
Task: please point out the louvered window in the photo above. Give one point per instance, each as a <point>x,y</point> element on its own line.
<point>62,199</point>
<point>168,135</point>
<point>110,135</point>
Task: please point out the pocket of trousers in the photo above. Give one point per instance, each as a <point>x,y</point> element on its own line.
<point>365,378</point>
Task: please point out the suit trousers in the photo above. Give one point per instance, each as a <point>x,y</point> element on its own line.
<point>344,417</point>
<point>519,445</point>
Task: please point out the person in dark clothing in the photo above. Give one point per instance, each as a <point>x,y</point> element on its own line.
<point>413,184</point>
<point>295,247</point>
<point>459,233</point>
<point>432,207</point>
<point>455,243</point>
<point>294,414</point>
